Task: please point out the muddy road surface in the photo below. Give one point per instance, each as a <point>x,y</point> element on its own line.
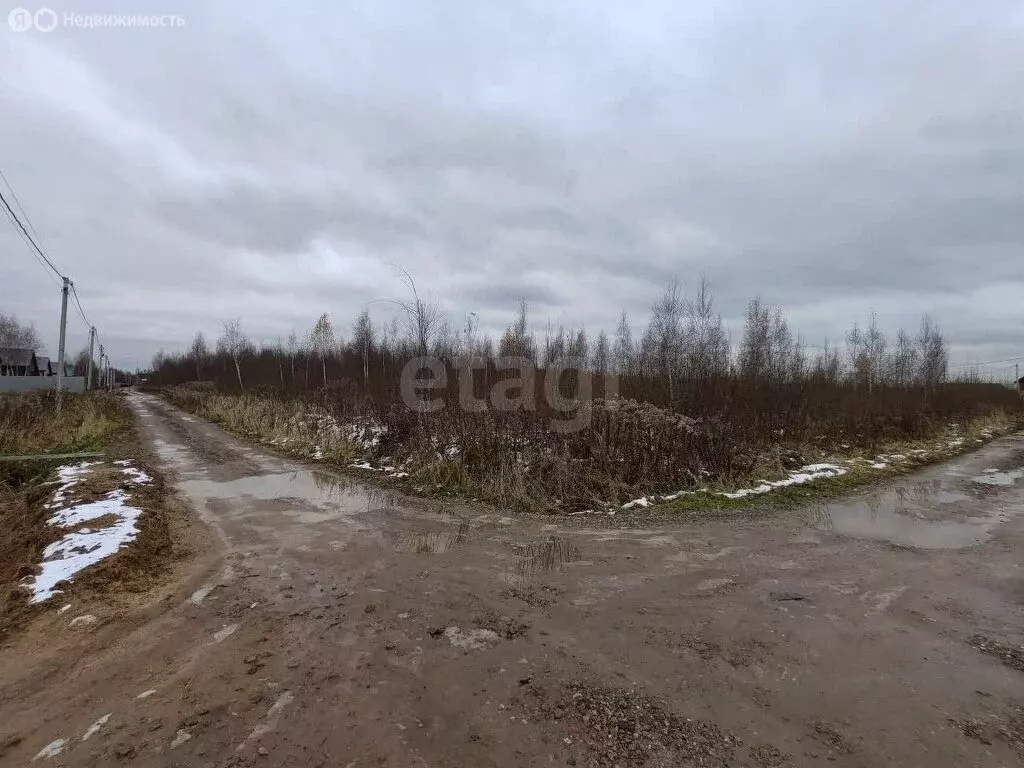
<point>339,625</point>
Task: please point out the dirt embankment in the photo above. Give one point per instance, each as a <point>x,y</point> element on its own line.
<point>93,528</point>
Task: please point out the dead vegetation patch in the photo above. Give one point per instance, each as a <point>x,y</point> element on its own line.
<point>1010,655</point>
<point>627,728</point>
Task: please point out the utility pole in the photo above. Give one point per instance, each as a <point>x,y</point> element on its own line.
<point>92,343</point>
<point>99,373</point>
<point>63,333</point>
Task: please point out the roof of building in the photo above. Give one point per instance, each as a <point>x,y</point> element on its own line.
<point>16,356</point>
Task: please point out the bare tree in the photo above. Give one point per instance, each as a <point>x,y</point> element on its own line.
<point>624,355</point>
<point>706,340</point>
<point>158,365</point>
<point>234,342</point>
<point>516,341</point>
<point>875,345</point>
<point>664,335</point>
<point>755,349</point>
<point>933,354</point>
<point>602,354</point>
<point>363,342</point>
<point>579,347</point>
<point>780,347</point>
<point>902,363</point>
<point>423,317</point>
<point>15,334</point>
<point>827,365</point>
<point>321,340</point>
<point>199,353</point>
<point>293,347</point>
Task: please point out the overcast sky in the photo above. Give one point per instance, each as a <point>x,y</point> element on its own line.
<point>268,163</point>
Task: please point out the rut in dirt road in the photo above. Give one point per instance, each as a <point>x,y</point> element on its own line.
<point>343,625</point>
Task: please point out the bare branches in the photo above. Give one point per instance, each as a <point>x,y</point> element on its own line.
<point>234,342</point>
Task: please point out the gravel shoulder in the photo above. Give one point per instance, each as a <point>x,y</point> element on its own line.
<point>330,623</point>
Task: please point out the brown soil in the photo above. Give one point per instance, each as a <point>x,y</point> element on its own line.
<point>346,626</point>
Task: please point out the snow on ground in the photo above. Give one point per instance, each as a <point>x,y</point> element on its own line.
<point>390,471</point>
<point>805,474</point>
<point>798,477</point>
<point>83,547</point>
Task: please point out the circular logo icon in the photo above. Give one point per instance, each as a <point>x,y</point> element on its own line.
<point>20,20</point>
<point>45,20</point>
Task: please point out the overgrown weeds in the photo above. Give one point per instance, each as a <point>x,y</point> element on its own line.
<point>45,422</point>
<point>625,448</point>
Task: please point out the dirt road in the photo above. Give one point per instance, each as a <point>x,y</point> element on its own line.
<point>342,626</point>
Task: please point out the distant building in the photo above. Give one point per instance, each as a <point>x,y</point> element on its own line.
<point>44,367</point>
<point>18,362</point>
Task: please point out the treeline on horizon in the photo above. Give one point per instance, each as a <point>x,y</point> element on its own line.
<point>683,362</point>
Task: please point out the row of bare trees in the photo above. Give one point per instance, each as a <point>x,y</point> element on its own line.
<point>685,339</point>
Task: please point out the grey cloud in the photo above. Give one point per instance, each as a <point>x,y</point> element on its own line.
<point>272,165</point>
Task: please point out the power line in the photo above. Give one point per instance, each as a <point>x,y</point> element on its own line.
<point>74,292</point>
<point>24,231</point>
<point>17,202</point>
<point>41,263</point>
<point>988,362</point>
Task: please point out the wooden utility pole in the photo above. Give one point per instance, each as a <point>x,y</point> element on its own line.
<point>63,333</point>
<point>92,343</point>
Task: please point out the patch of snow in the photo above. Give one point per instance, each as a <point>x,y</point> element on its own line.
<point>65,608</point>
<point>84,620</point>
<point>800,476</point>
<point>879,465</point>
<point>361,465</point>
<point>68,477</point>
<point>80,549</point>
<point>136,475</point>
<point>318,453</point>
<point>77,551</point>
<point>94,728</point>
<point>146,694</point>
<point>643,502</point>
<point>52,749</point>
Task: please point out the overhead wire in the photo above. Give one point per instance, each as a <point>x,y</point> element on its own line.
<point>31,237</point>
<point>35,246</point>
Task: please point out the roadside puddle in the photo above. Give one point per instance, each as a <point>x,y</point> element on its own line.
<point>305,496</point>
<point>545,556</point>
<point>996,477</point>
<point>434,542</point>
<point>915,516</point>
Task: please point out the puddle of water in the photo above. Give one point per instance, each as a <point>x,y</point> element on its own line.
<point>1006,478</point>
<point>308,496</point>
<point>433,542</point>
<point>546,555</point>
<point>892,515</point>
